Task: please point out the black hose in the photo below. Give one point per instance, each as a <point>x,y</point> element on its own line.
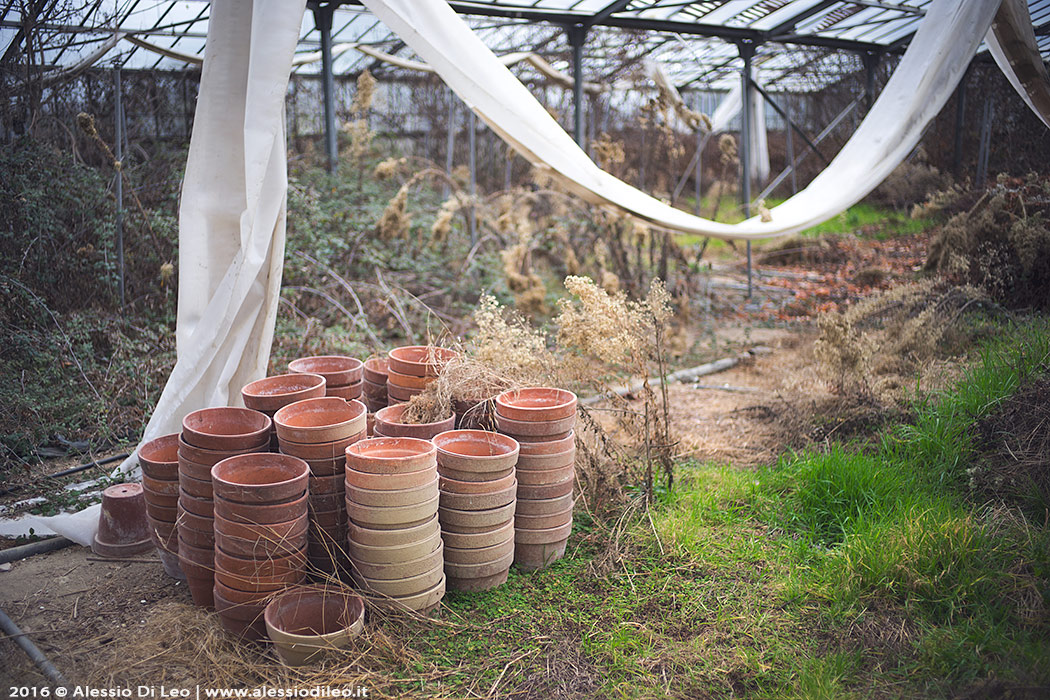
<point>31,650</point>
<point>28,550</point>
<point>67,472</point>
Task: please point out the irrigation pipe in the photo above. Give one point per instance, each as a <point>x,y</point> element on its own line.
<point>32,650</point>
<point>71,470</point>
<point>39,547</point>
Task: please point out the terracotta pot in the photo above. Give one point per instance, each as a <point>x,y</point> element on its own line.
<point>475,585</point>
<point>375,537</point>
<point>538,430</point>
<point>322,485</point>
<point>336,369</point>
<point>160,529</point>
<point>527,438</point>
<point>388,422</point>
<point>203,507</point>
<point>326,544</point>
<point>530,557</point>
<point>159,458</point>
<point>195,470</point>
<point>547,462</point>
<point>195,522</point>
<point>350,391</point>
<point>544,491</point>
<point>388,482</point>
<point>476,487</point>
<point>261,513</point>
<point>475,415</point>
<point>476,518</point>
<point>163,513</point>
<point>122,526</point>
<point>406,569</point>
<point>482,570</point>
<point>209,458</point>
<point>474,477</point>
<point>386,517</point>
<point>479,501</point>
<point>391,455</point>
<point>548,447</point>
<point>543,522</point>
<point>476,451</point>
<point>271,532</point>
<point>531,477</point>
<point>226,428</point>
<point>260,584</point>
<point>326,419</point>
<point>262,547</point>
<point>393,497</point>
<point>195,487</point>
<point>262,567</point>
<point>375,391</point>
<point>545,506</point>
<point>399,553</point>
<point>327,467</point>
<point>408,381</point>
<point>201,590</point>
<point>304,623</point>
<point>327,501</point>
<point>236,596</point>
<point>480,555</point>
<point>205,539</point>
<point>375,370</point>
<point>170,562</point>
<point>396,394</point>
<point>335,517</point>
<point>475,540</point>
<point>419,360</point>
<point>260,478</point>
<point>334,449</point>
<point>422,603</point>
<point>201,557</point>
<point>536,404</point>
<point>156,500</point>
<point>411,585</point>
<point>240,619</point>
<point>545,536</point>
<point>273,393</point>
<point>165,536</point>
<point>374,405</point>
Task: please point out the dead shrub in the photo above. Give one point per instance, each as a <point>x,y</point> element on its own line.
<point>910,183</point>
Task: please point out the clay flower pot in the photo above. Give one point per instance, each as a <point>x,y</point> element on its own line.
<point>479,501</point>
<point>476,487</point>
<point>547,447</point>
<point>226,428</point>
<point>546,462</point>
<point>480,555</point>
<point>198,488</point>
<point>210,458</point>
<point>402,569</point>
<point>262,513</point>
<point>388,482</point>
<point>250,568</point>
<point>408,381</point>
<point>422,603</point>
<point>530,557</point>
<point>164,534</point>
<point>401,587</point>
<point>325,419</point>
<point>274,393</point>
<point>398,553</point>
<point>159,458</point>
<point>262,546</point>
<point>388,517</point>
<point>202,507</point>
<point>476,451</point>
<point>160,487</point>
<point>159,500</point>
<point>303,623</point>
<point>375,370</point>
<point>335,449</point>
<point>544,521</point>
<point>476,518</point>
<point>544,536</point>
<point>170,562</point>
<point>338,370</point>
<point>264,477</point>
<point>538,477</point>
<point>478,584</point>
<point>546,506</point>
<point>322,485</point>
<point>419,360</point>
<point>327,467</point>
<point>327,501</point>
<point>475,477</point>
<point>397,394</point>
<point>536,404</point>
<point>191,521</point>
<point>388,424</point>
<point>538,430</point>
<point>475,540</point>
<point>122,527</point>
<point>539,492</point>
<point>260,584</point>
<point>243,620</point>
<point>393,497</point>
<point>376,537</point>
<point>391,455</point>
<point>484,570</point>
<point>373,390</point>
<point>350,391</point>
<point>205,539</point>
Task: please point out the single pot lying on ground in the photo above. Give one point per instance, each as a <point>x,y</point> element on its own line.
<point>305,622</point>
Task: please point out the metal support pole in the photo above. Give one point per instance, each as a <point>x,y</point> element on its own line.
<point>986,142</point>
<point>450,143</point>
<point>791,157</point>
<point>871,65</point>
<point>784,115</point>
<point>323,20</point>
<point>747,52</point>
<point>472,124</point>
<point>119,145</point>
<point>699,170</point>
<point>577,35</point>
<point>960,117</point>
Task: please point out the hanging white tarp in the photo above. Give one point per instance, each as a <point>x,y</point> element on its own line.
<point>1012,44</point>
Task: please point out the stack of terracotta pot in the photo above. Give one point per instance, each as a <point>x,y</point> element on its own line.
<point>388,424</point>
<point>344,376</point>
<point>319,431</point>
<point>159,460</point>
<point>273,393</point>
<point>209,436</point>
<point>375,396</point>
<point>260,535</point>
<point>395,540</point>
<point>541,419</point>
<point>478,494</point>
<point>411,368</point>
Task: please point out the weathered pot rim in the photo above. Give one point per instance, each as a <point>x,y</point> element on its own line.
<point>444,442</point>
<point>358,414</point>
<point>419,448</point>
<point>261,432</point>
<point>357,612</point>
<point>351,368</point>
<point>391,414</point>
<point>409,358</point>
<point>298,469</point>
<point>147,450</point>
<point>276,386</point>
<point>562,403</point>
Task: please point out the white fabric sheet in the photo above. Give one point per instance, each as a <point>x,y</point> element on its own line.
<point>1012,44</point>
<point>928,73</point>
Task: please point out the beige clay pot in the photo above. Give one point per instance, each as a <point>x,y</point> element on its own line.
<point>535,404</point>
<point>476,451</point>
<point>389,482</point>
<point>476,518</point>
<point>530,477</point>
<point>388,517</point>
<point>403,569</point>
<point>374,537</point>
<point>391,455</point>
<point>546,506</point>
<point>412,585</point>
<point>393,497</point>
<point>543,522</point>
<point>399,553</point>
<point>306,623</point>
<point>540,492</point>
<point>477,487</point>
<point>480,555</point>
<point>475,477</point>
<point>479,501</point>
<point>475,540</point>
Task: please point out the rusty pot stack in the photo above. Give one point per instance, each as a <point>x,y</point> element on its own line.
<point>411,368</point>
<point>394,536</point>
<point>388,424</point>
<point>344,376</point>
<point>477,505</point>
<point>541,419</point>
<point>319,431</point>
<point>375,396</point>
<point>159,460</point>
<point>260,535</point>
<point>270,394</point>
<point>209,436</point>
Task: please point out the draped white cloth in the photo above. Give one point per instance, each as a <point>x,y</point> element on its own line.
<point>936,59</point>
<point>1012,44</point>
